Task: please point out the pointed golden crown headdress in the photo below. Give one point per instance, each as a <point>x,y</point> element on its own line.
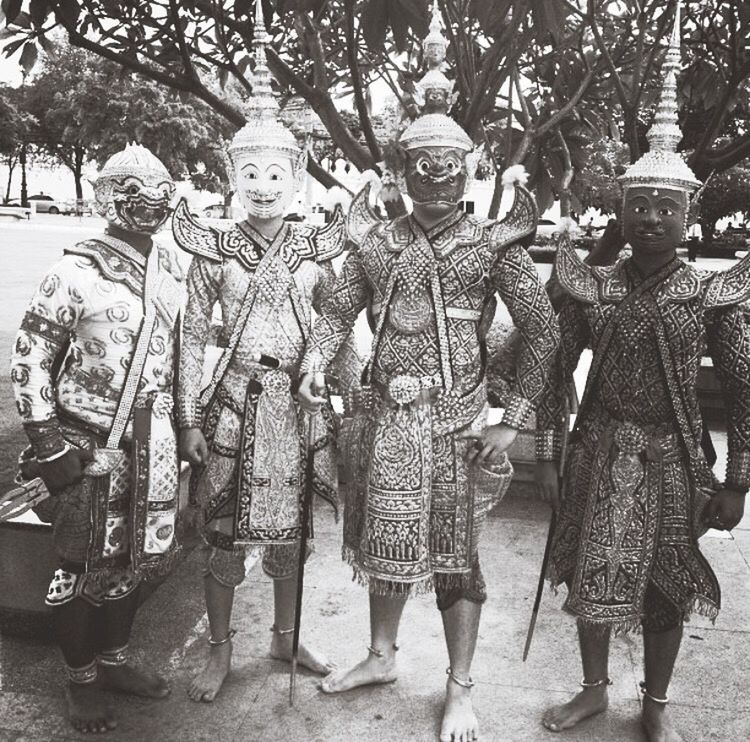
<point>662,166</point>
<point>263,130</point>
<point>434,127</point>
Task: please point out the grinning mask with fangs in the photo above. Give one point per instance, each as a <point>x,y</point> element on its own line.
<point>134,191</point>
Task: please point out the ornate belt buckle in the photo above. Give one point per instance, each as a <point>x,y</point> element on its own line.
<point>276,383</point>
<point>630,439</point>
<point>404,389</point>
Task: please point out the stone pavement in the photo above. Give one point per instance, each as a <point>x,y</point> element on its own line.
<point>709,691</point>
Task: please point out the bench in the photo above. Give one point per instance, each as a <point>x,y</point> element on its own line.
<point>19,212</point>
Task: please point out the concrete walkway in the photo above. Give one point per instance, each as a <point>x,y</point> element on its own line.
<point>709,692</point>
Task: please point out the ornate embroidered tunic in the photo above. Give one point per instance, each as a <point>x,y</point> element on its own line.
<point>90,302</point>
<point>636,479</point>
<point>414,507</point>
<point>267,290</point>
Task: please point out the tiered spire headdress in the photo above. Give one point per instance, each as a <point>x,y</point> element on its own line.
<point>662,166</point>
<point>434,127</point>
<point>263,130</point>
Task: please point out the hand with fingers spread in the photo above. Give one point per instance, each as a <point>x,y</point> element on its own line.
<point>64,470</point>
<point>310,392</point>
<point>724,510</point>
<point>193,446</point>
<point>547,482</point>
<point>490,444</point>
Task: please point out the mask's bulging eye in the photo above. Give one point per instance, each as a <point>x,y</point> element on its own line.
<point>639,209</point>
<point>666,212</point>
<point>133,190</point>
<point>423,166</point>
<point>452,165</point>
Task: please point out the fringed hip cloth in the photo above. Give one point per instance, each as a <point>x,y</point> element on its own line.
<point>250,491</point>
<point>414,507</point>
<point>628,528</point>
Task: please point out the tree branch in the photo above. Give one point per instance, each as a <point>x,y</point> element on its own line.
<point>572,102</point>
<point>359,98</point>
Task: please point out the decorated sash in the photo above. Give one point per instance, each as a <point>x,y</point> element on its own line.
<point>134,497</point>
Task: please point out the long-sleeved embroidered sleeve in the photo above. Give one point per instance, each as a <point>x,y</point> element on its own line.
<point>339,312</point>
<point>51,317</point>
<point>203,283</point>
<point>515,278</point>
<point>551,417</point>
<point>729,346</point>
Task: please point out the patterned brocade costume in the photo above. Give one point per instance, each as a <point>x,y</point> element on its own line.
<point>251,487</point>
<point>414,509</point>
<point>636,479</point>
<point>89,308</point>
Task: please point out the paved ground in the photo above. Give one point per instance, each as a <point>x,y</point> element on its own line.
<point>709,692</point>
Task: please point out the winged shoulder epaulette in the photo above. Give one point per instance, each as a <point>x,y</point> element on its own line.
<point>519,223</point>
<point>573,274</point>
<point>730,287</point>
<point>328,241</point>
<point>194,237</point>
<point>361,217</point>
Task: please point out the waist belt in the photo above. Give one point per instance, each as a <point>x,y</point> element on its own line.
<point>473,315</point>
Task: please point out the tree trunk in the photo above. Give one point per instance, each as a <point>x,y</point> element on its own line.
<point>228,204</point>
<point>77,173</point>
<point>11,163</point>
<point>24,192</point>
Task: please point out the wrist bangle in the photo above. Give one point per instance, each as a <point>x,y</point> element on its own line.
<point>55,456</point>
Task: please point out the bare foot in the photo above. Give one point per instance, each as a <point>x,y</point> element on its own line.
<point>207,683</point>
<point>657,724</point>
<point>87,709</point>
<point>281,649</point>
<point>589,702</point>
<point>459,720</point>
<point>132,681</point>
<point>373,670</point>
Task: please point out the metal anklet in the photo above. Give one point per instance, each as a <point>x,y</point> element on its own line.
<point>218,642</point>
<point>596,683</point>
<point>83,675</point>
<point>660,701</point>
<point>377,653</point>
<point>114,657</point>
<point>281,632</point>
<point>468,683</point>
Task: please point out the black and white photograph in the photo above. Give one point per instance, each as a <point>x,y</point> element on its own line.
<point>374,369</point>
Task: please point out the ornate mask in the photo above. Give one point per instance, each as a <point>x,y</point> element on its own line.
<point>436,175</point>
<point>266,184</point>
<point>654,219</point>
<point>134,191</point>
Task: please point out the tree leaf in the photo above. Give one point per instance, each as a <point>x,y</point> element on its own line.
<point>13,47</point>
<point>29,56</point>
<point>23,20</point>
<point>38,10</point>
<point>375,23</point>
<point>399,25</point>
<point>11,8</point>
<point>70,10</point>
<point>50,48</point>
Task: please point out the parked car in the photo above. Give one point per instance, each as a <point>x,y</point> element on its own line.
<point>547,232</point>
<point>44,204</point>
<point>214,211</point>
<point>77,208</point>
